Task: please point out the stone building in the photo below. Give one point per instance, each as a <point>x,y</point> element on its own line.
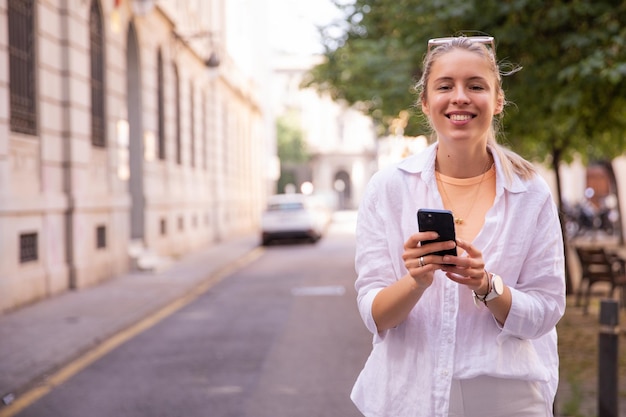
<point>127,129</point>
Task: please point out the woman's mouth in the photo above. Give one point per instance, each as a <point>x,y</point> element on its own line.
<point>460,117</point>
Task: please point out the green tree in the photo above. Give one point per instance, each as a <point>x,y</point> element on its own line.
<point>290,140</point>
<point>291,147</point>
<point>569,99</point>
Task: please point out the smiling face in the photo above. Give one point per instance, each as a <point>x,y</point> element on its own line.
<point>461,97</point>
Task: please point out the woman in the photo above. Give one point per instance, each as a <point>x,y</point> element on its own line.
<point>473,334</point>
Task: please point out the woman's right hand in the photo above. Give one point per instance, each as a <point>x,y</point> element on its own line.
<point>394,303</point>
<point>418,259</point>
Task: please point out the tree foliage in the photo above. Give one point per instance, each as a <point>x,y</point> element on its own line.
<point>569,98</point>
<point>291,146</point>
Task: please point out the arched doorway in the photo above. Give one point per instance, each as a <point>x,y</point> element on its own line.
<point>343,186</point>
<point>135,126</point>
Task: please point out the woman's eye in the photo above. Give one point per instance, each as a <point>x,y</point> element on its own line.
<point>477,87</point>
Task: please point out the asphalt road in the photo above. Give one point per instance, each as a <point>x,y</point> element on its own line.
<point>278,338</point>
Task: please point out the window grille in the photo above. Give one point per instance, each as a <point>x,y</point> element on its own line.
<point>205,132</point>
<point>192,127</point>
<point>160,106</point>
<point>28,247</point>
<point>179,158</point>
<point>22,83</point>
<point>101,237</point>
<point>96,35</point>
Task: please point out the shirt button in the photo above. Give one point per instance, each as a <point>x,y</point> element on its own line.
<point>445,373</point>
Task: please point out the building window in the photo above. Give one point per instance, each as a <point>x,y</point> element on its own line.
<point>96,36</point>
<point>22,83</point>
<point>181,223</point>
<point>179,157</point>
<point>205,132</point>
<point>192,125</point>
<point>160,106</point>
<point>101,237</point>
<point>163,227</point>
<point>28,247</point>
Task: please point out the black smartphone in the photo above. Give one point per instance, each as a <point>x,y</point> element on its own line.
<point>440,221</point>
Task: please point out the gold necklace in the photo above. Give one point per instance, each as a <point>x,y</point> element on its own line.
<point>460,220</point>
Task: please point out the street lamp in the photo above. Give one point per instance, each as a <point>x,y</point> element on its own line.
<point>213,61</point>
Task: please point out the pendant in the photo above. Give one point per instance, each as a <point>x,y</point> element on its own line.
<point>458,220</point>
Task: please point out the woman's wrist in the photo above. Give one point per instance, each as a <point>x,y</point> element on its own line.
<point>484,288</point>
<point>417,283</point>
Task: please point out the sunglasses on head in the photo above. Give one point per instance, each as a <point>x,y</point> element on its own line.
<point>485,40</point>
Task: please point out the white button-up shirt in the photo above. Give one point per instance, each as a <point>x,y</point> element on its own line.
<point>410,369</point>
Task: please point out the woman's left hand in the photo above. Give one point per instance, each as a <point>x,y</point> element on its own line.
<point>467,270</point>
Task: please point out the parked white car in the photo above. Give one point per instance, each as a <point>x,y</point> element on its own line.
<point>293,216</point>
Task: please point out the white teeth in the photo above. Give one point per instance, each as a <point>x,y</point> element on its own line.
<point>460,117</point>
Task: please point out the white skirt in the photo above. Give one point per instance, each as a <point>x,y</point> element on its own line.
<point>486,396</point>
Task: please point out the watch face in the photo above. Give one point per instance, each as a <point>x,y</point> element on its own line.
<point>497,284</point>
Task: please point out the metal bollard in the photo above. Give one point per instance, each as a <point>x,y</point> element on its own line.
<point>608,350</point>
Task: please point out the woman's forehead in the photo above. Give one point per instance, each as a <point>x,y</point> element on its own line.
<point>457,63</point>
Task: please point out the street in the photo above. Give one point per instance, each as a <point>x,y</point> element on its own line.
<point>279,338</point>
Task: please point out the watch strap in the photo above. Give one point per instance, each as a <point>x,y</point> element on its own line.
<point>491,292</point>
<point>483,298</point>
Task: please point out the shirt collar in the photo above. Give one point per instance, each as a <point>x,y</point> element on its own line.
<point>423,163</point>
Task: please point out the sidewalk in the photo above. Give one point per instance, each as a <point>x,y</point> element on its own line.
<point>40,338</point>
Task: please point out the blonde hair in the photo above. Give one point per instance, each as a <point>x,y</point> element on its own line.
<point>512,163</point>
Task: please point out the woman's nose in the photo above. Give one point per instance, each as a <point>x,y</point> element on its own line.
<point>460,96</point>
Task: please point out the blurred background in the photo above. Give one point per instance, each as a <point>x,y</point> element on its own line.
<point>136,132</point>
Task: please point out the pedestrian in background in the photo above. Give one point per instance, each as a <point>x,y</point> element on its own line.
<point>474,334</point>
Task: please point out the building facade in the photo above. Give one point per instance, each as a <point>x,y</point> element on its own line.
<point>126,128</point>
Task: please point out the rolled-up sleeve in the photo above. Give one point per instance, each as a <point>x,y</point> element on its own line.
<point>538,299</point>
<point>373,262</point>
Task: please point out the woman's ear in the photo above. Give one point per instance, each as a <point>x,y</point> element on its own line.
<point>425,108</point>
<point>499,104</point>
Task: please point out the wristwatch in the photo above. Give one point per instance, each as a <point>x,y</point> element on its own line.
<point>496,288</point>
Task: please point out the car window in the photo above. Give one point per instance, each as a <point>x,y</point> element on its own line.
<point>286,206</point>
